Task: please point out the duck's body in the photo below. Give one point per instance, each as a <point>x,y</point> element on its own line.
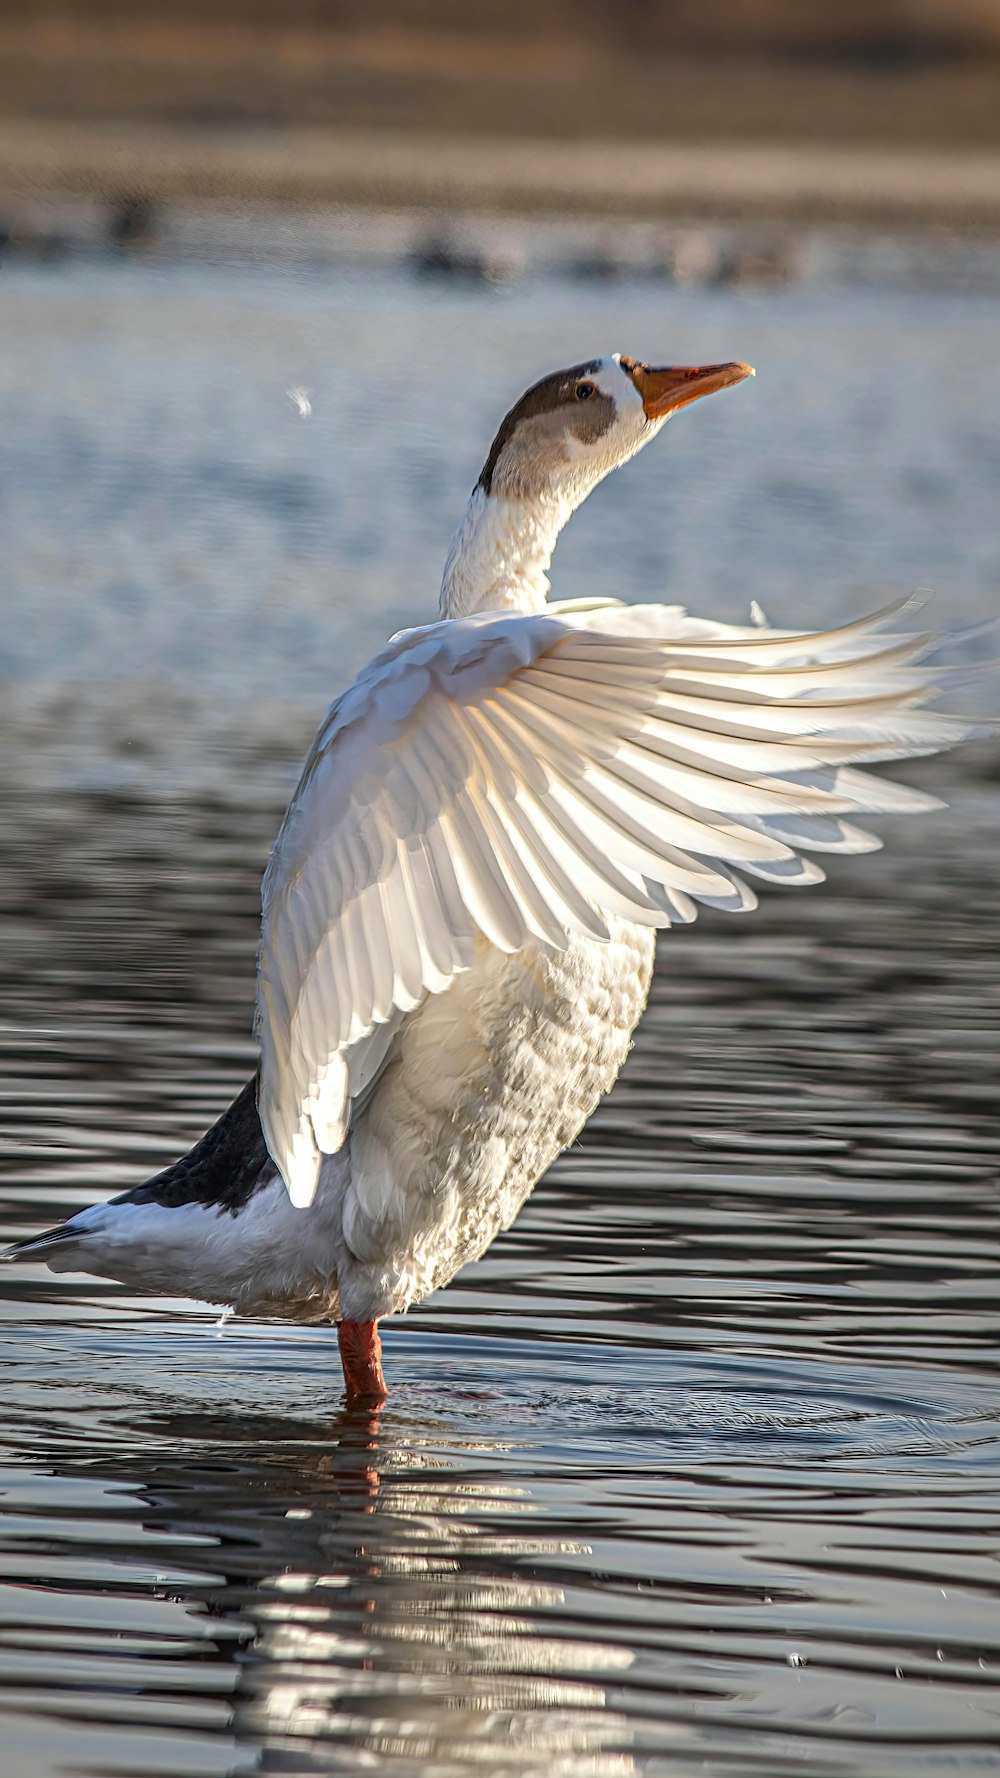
<point>460,912</point>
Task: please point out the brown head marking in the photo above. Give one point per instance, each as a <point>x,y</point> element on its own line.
<point>589,412</point>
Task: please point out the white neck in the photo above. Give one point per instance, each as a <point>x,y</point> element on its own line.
<point>500,553</point>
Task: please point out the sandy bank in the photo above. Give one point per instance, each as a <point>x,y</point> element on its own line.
<point>312,166</point>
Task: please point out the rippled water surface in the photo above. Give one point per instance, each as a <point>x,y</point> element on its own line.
<point>699,1470</point>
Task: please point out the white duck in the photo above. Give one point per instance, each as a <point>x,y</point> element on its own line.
<point>459,914</point>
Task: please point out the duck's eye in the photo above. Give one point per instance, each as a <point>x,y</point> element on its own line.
<point>584,391</point>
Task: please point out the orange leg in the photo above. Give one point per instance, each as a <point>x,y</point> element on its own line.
<point>361,1357</point>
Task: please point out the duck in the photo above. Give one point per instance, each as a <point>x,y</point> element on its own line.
<point>460,912</point>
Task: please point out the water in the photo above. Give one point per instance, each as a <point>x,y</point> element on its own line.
<point>698,1471</point>
<point>169,516</point>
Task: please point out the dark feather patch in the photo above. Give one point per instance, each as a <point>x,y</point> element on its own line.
<point>222,1171</point>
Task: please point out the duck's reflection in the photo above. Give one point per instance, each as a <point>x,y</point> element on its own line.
<point>401,1605</point>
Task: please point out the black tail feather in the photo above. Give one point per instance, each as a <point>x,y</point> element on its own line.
<point>33,1244</point>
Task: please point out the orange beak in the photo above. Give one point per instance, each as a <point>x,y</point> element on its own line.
<point>664,391</point>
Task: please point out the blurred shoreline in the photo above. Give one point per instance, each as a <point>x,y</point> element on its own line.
<point>814,183</point>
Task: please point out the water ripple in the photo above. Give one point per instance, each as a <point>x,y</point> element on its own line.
<point>698,1470</point>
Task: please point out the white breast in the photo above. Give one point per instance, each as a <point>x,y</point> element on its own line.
<point>490,1081</point>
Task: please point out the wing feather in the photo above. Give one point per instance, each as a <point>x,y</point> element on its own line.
<point>525,778</point>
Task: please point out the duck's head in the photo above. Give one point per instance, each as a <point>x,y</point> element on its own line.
<point>573,427</point>
<point>563,437</point>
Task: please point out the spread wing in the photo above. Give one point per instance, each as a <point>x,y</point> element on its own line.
<point>525,777</point>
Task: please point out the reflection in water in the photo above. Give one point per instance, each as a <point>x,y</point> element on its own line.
<point>386,1607</point>
<point>423,1655</point>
